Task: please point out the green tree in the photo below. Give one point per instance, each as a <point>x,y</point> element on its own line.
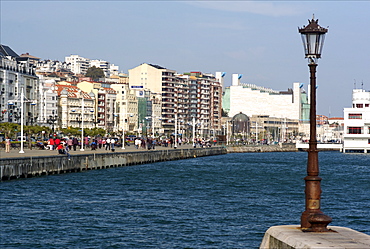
<point>9,129</point>
<point>95,73</point>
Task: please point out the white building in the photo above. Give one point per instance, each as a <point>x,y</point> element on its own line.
<point>256,100</point>
<point>104,65</point>
<point>78,64</point>
<point>127,107</point>
<point>17,74</point>
<point>357,123</point>
<point>48,102</point>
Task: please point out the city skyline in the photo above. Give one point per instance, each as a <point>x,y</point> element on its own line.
<point>257,39</point>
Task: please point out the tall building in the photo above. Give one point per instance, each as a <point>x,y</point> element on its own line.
<point>78,64</point>
<point>161,81</point>
<point>356,138</point>
<point>17,75</point>
<point>182,97</point>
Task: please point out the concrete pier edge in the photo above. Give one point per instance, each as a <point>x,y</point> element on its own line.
<point>291,236</point>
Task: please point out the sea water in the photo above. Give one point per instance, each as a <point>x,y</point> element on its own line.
<point>225,201</point>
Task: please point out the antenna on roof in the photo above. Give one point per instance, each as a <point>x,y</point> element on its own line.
<point>354,84</point>
<point>362,85</point>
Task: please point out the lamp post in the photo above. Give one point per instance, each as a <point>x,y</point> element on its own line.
<point>175,144</point>
<point>82,121</point>
<point>123,132</point>
<point>313,219</point>
<point>22,101</point>
<point>51,121</point>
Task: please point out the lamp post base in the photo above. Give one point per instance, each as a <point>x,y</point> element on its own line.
<point>315,222</point>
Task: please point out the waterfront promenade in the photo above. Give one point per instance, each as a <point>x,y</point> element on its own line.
<point>14,153</point>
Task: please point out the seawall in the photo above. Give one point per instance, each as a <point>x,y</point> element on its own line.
<point>30,166</point>
<point>263,148</point>
<point>25,167</point>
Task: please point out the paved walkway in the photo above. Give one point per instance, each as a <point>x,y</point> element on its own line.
<point>36,152</point>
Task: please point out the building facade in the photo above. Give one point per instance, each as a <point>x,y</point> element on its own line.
<point>75,107</point>
<point>182,98</point>
<point>78,64</point>
<point>17,75</point>
<point>356,138</point>
<point>127,107</point>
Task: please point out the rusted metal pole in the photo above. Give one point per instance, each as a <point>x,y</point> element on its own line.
<point>313,219</point>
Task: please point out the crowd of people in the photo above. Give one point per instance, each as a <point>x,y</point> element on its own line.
<point>67,144</point>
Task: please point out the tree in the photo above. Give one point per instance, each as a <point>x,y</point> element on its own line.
<point>95,73</point>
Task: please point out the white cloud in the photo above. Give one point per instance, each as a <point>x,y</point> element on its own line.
<point>262,8</point>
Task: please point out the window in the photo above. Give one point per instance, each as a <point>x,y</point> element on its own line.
<point>359,105</point>
<point>355,116</point>
<point>354,130</point>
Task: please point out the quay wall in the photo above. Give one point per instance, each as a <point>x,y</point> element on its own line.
<point>262,148</point>
<point>25,167</point>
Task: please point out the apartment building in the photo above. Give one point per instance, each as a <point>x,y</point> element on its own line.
<point>127,107</point>
<point>47,108</point>
<point>78,64</point>
<point>356,138</point>
<point>182,97</point>
<point>204,100</point>
<point>104,65</point>
<point>75,107</point>
<point>105,104</point>
<point>17,75</point>
<point>159,80</point>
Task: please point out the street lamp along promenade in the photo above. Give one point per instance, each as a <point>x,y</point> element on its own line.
<point>313,219</point>
<point>51,120</point>
<point>22,101</point>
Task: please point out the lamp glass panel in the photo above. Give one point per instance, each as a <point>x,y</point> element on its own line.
<point>304,41</point>
<point>312,40</point>
<point>321,43</point>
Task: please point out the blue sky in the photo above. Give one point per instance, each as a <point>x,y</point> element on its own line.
<point>258,39</point>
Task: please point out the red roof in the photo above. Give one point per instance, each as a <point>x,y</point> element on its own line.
<point>73,91</point>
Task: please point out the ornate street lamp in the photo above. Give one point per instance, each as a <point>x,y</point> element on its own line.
<point>313,219</point>
<point>51,122</point>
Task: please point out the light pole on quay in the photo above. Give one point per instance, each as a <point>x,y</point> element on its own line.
<point>22,101</point>
<point>313,219</point>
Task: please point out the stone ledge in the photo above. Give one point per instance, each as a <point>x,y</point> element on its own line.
<point>291,236</point>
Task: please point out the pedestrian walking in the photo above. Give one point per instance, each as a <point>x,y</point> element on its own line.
<point>7,145</point>
<point>112,142</point>
<point>69,143</point>
<point>74,143</point>
<point>107,144</point>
